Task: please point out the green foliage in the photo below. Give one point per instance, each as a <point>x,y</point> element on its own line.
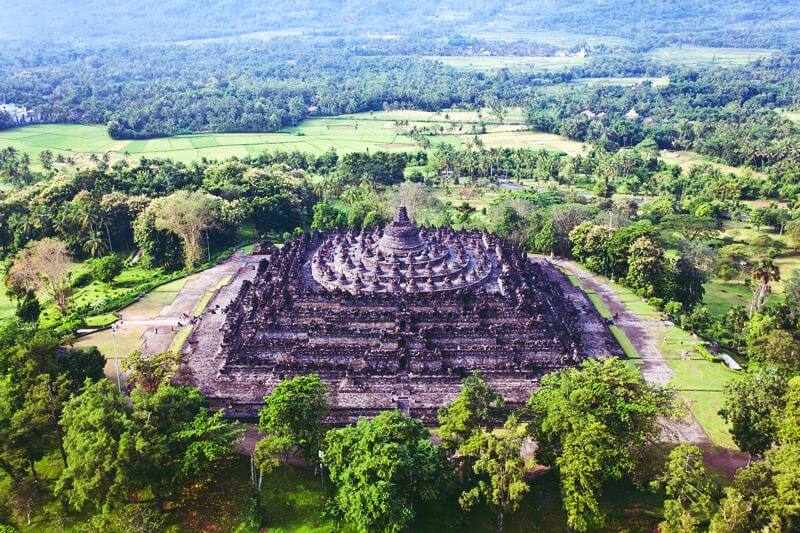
<point>107,268</point>
<point>293,415</point>
<point>159,442</point>
<point>28,307</point>
<point>499,467</point>
<point>690,491</point>
<point>161,248</point>
<point>97,447</point>
<point>645,267</point>
<point>594,423</point>
<point>149,372</point>
<point>177,439</point>
<point>778,348</point>
<point>385,469</point>
<point>789,423</point>
<point>753,400</point>
<point>475,408</point>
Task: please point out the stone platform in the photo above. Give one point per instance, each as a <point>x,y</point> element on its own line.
<point>390,318</point>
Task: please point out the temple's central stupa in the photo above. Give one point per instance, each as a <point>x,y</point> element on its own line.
<point>391,317</point>
<point>403,258</point>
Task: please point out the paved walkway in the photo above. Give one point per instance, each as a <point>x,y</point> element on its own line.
<point>645,333</point>
<point>162,328</point>
<point>151,323</point>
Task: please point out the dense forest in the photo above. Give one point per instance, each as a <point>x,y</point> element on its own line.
<point>726,113</point>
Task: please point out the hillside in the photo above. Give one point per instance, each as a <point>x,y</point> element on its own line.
<point>644,23</point>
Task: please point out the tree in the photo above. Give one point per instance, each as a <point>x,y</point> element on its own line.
<point>292,416</point>
<point>28,307</point>
<point>385,469</point>
<point>789,423</point>
<point>43,266</point>
<point>791,292</point>
<point>177,440</point>
<point>475,408</point>
<point>97,443</point>
<point>778,348</point>
<point>594,423</point>
<point>763,271</point>
<point>793,232</point>
<point>190,216</point>
<point>690,491</point>
<point>645,267</point>
<point>734,514</point>
<point>412,196</point>
<point>765,496</point>
<point>107,268</point>
<point>161,248</point>
<point>158,443</point>
<point>149,372</point>
<point>751,404</point>
<point>499,468</point>
<point>46,157</point>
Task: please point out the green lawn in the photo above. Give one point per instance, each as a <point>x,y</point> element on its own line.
<point>794,116</point>
<point>7,306</point>
<point>698,382</point>
<point>721,295</point>
<point>687,159</point>
<point>498,32</point>
<point>624,342</point>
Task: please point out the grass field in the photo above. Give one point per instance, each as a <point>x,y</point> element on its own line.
<point>7,307</point>
<point>794,116</point>
<point>686,160</point>
<point>721,295</point>
<point>347,133</point>
<point>703,56</point>
<point>513,63</point>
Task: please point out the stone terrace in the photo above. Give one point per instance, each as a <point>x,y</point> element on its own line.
<point>391,318</point>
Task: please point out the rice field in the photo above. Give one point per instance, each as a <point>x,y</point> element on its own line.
<point>692,56</point>
<point>377,131</point>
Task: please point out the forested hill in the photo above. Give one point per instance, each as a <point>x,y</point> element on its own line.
<point>643,23</point>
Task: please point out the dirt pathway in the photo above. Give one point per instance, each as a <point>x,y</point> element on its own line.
<point>645,333</point>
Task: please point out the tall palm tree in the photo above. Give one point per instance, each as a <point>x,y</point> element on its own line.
<point>764,271</point>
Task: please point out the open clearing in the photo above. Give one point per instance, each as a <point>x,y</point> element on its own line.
<point>377,131</point>
<point>698,55</point>
<point>686,160</point>
<point>794,116</point>
<point>513,63</point>
<point>6,306</point>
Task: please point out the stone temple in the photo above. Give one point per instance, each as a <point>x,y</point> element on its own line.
<point>393,317</point>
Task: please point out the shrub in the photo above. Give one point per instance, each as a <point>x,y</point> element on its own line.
<point>107,268</point>
<point>82,279</point>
